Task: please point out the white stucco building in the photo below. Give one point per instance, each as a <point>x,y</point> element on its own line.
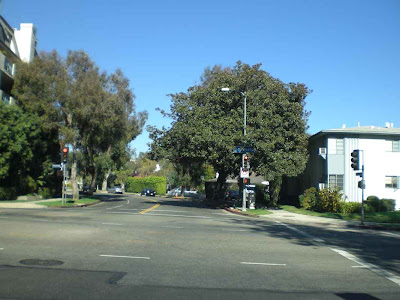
<point>15,45</point>
<point>330,161</point>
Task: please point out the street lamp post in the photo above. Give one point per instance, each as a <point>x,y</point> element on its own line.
<point>225,89</point>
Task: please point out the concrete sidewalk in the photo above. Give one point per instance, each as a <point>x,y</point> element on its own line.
<point>29,204</point>
<point>289,217</point>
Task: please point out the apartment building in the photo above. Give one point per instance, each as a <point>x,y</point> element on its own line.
<point>15,45</point>
<point>330,161</point>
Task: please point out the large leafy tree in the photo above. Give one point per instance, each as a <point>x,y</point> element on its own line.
<point>207,124</point>
<point>90,110</point>
<point>20,144</point>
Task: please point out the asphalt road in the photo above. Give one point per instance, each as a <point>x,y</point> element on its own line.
<point>150,248</point>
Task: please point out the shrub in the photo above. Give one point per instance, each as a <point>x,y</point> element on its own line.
<point>329,200</point>
<point>262,198</point>
<point>383,205</point>
<point>8,193</point>
<point>45,193</point>
<point>309,199</point>
<point>388,205</point>
<point>137,184</point>
<point>350,207</point>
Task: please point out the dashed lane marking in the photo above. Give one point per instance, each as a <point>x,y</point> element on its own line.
<point>124,256</point>
<point>114,207</point>
<point>263,264</point>
<point>116,224</point>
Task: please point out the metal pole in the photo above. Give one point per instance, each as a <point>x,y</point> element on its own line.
<point>244,114</point>
<point>63,186</point>
<point>243,188</point>
<point>362,189</point>
<point>243,166</point>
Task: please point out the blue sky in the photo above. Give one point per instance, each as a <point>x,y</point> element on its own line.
<point>347,52</point>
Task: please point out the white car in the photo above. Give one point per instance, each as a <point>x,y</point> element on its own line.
<point>115,190</point>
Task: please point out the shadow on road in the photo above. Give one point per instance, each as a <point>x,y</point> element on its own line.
<point>368,245</point>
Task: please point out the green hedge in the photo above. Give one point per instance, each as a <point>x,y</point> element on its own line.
<point>137,184</point>
<point>382,205</point>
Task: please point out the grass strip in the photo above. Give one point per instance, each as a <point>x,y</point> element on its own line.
<point>70,203</point>
<point>377,217</point>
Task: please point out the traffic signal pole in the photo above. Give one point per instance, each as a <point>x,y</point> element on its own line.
<point>362,191</point>
<point>358,164</point>
<point>243,187</point>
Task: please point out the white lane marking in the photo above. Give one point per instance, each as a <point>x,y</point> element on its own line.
<point>263,264</point>
<point>114,207</point>
<point>124,256</point>
<point>130,209</point>
<point>234,229</point>
<point>302,233</point>
<point>169,215</point>
<point>373,268</point>
<point>361,267</point>
<point>172,227</point>
<point>127,202</point>
<point>392,234</point>
<point>117,224</point>
<point>1,248</point>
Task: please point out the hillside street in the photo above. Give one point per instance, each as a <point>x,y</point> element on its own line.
<point>148,247</point>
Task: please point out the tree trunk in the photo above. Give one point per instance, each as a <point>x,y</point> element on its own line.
<point>75,190</point>
<point>104,186</point>
<point>276,189</point>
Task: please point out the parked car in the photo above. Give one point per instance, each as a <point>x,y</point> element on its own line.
<point>88,190</point>
<point>174,192</point>
<point>148,192</point>
<point>232,195</point>
<point>115,190</point>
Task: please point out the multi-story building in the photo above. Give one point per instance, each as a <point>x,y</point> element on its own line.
<point>330,161</point>
<point>15,45</point>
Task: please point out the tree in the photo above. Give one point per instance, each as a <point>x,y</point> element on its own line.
<point>207,124</point>
<point>20,142</point>
<point>91,111</point>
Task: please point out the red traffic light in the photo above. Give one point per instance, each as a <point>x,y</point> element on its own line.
<point>246,158</point>
<point>65,150</point>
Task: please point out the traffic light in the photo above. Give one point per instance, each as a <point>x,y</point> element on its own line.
<point>247,181</point>
<point>355,160</point>
<point>65,154</point>
<point>246,163</point>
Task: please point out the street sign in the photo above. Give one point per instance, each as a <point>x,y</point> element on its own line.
<point>243,149</point>
<point>56,166</point>
<point>244,173</point>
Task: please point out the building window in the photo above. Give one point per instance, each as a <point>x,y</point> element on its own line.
<point>8,65</point>
<point>392,182</point>
<point>336,181</point>
<point>396,146</point>
<point>339,146</point>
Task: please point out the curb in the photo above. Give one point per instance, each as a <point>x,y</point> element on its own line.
<point>240,213</point>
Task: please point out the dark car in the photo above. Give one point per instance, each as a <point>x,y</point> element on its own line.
<point>87,190</point>
<point>232,195</point>
<point>148,192</point>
